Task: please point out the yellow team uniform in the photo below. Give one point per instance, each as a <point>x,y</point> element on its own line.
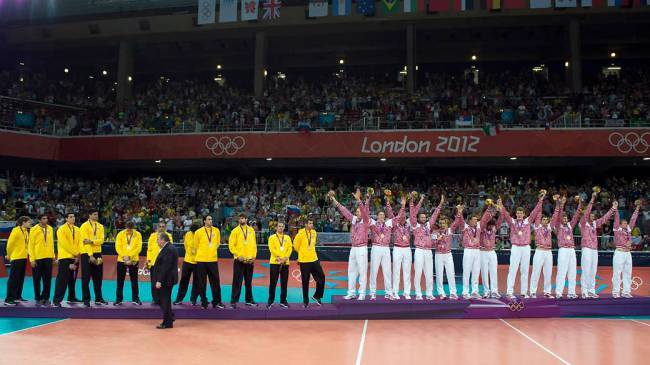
<point>17,244</point>
<point>190,250</point>
<point>128,245</point>
<point>68,241</point>
<point>305,244</point>
<point>242,243</point>
<point>153,249</point>
<point>95,233</point>
<point>206,242</point>
<point>41,243</point>
<point>280,250</point>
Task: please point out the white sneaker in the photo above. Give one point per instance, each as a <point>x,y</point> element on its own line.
<point>396,297</point>
<point>418,297</point>
<point>431,297</point>
<point>585,296</point>
<point>466,296</point>
<point>572,296</point>
<point>595,296</point>
<point>407,297</point>
<point>558,296</point>
<point>389,296</point>
<point>486,295</point>
<point>453,297</point>
<point>615,296</point>
<point>373,297</point>
<point>627,295</point>
<point>349,296</point>
<point>475,296</point>
<point>443,297</point>
<point>525,296</point>
<point>548,295</point>
<point>533,296</point>
<point>496,295</point>
<point>510,296</point>
<point>361,297</point>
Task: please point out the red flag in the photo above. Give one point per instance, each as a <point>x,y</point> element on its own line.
<point>513,4</point>
<point>436,6</point>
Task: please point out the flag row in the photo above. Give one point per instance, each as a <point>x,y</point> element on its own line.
<point>229,10</point>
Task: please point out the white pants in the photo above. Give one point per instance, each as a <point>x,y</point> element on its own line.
<point>542,261</point>
<point>358,267</point>
<point>380,256</point>
<point>471,269</point>
<point>402,260</point>
<point>489,272</point>
<point>423,261</point>
<point>519,260</point>
<point>589,266</point>
<point>622,265</point>
<point>566,270</point>
<point>445,262</point>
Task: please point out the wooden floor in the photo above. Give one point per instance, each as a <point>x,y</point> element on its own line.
<point>400,342</point>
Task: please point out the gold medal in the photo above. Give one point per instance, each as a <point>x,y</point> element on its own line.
<point>382,235</point>
<point>568,238</point>
<point>520,233</point>
<point>404,238</point>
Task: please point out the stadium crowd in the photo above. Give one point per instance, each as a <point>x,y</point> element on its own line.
<point>181,202</point>
<point>341,101</point>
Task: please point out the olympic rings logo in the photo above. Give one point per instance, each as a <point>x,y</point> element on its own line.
<point>629,142</point>
<point>637,282</point>
<point>516,306</point>
<point>296,275</point>
<point>225,145</point>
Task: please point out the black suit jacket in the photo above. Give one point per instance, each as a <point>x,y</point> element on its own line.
<point>167,266</point>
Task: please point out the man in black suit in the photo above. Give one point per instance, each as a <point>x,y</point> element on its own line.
<point>166,276</point>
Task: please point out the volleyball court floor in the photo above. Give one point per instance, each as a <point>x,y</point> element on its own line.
<point>589,341</point>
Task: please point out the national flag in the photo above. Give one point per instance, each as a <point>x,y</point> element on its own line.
<point>494,4</point>
<point>585,3</point>
<point>341,7</point>
<point>227,11</point>
<point>249,9</point>
<point>540,4</point>
<point>436,6</point>
<point>566,3</point>
<point>465,5</point>
<point>271,9</point>
<point>205,11</point>
<point>293,210</point>
<point>593,3</point>
<point>389,6</point>
<point>513,4</point>
<point>366,7</point>
<point>627,3</point>
<point>491,129</point>
<point>317,8</point>
<point>411,6</point>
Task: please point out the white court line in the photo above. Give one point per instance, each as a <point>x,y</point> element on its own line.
<point>535,342</point>
<point>639,322</point>
<point>29,328</point>
<point>361,343</point>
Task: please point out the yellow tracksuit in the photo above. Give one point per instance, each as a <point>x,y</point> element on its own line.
<point>17,244</point>
<point>68,241</point>
<point>153,248</point>
<point>41,243</point>
<point>95,233</point>
<point>305,245</point>
<point>242,243</point>
<point>280,251</point>
<point>190,250</point>
<point>206,248</point>
<point>128,245</point>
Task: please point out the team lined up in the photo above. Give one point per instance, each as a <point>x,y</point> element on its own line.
<point>81,247</point>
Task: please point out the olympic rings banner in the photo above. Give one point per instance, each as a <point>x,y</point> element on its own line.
<point>394,144</point>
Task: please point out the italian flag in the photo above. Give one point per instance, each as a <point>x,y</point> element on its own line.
<point>491,129</point>
<point>412,6</point>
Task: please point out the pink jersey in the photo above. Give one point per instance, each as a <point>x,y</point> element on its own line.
<point>422,232</point>
<point>359,226</point>
<point>472,235</point>
<point>380,232</point>
<point>564,232</point>
<point>588,229</point>
<point>489,236</point>
<point>442,239</point>
<point>401,229</point>
<point>520,228</point>
<point>623,237</point>
<point>543,239</point>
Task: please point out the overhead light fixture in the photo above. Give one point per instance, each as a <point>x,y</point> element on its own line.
<point>566,63</point>
<point>269,158</point>
<point>383,159</point>
<point>513,158</point>
<point>66,70</point>
<point>21,63</point>
<point>129,78</point>
<point>218,67</point>
<point>104,72</point>
<point>91,77</point>
<point>646,159</point>
<point>474,57</point>
<point>158,161</point>
<point>612,55</point>
<point>341,61</point>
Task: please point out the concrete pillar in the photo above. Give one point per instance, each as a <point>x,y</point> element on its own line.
<point>260,63</point>
<point>410,58</point>
<point>124,70</point>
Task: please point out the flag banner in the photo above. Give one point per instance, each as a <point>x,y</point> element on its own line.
<point>366,7</point>
<point>494,4</point>
<point>540,4</point>
<point>317,8</point>
<point>436,6</point>
<point>389,6</point>
<point>341,7</point>
<point>566,3</point>
<point>412,6</point>
<point>227,11</point>
<point>585,3</point>
<point>249,9</point>
<point>205,11</point>
<point>513,4</point>
<point>271,9</point>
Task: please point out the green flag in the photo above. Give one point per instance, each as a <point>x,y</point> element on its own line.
<point>389,6</point>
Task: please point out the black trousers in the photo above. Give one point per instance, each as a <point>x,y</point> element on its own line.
<point>133,276</point>
<point>65,279</point>
<point>16,280</point>
<point>155,293</point>
<point>204,271</point>
<point>186,271</point>
<point>94,272</point>
<point>166,305</point>
<point>316,271</point>
<point>281,271</point>
<point>245,272</point>
<point>42,274</point>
